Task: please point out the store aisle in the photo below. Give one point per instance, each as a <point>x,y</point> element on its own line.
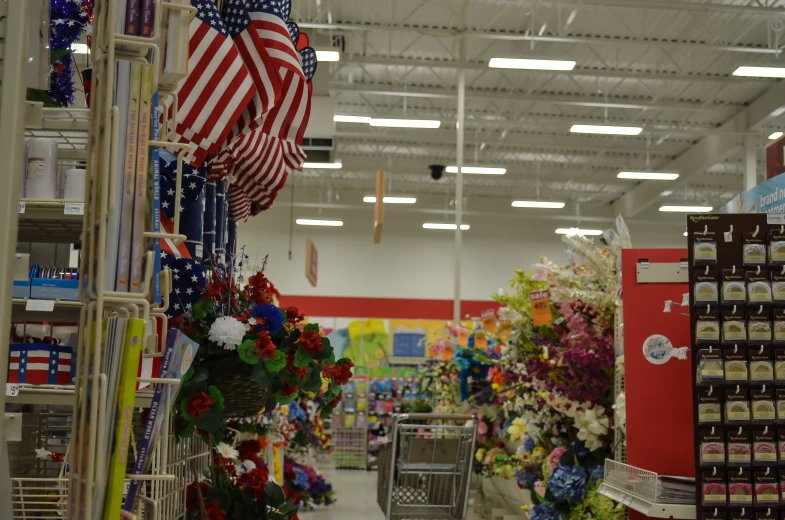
<point>356,493</point>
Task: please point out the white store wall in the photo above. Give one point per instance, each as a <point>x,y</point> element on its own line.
<point>411,262</point>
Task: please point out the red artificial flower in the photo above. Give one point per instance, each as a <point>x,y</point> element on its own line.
<point>254,481</point>
<point>311,341</point>
<point>249,450</point>
<point>288,389</point>
<point>225,464</point>
<point>264,345</point>
<point>301,372</point>
<point>332,404</point>
<point>340,374</point>
<point>214,511</point>
<point>293,315</point>
<point>199,404</point>
<point>191,495</point>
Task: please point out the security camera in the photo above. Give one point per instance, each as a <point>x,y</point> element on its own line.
<point>437,170</point>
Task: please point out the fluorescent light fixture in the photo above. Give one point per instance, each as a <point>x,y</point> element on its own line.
<point>328,56</point>
<point>666,193</point>
<point>606,129</point>
<point>80,48</point>
<point>437,225</point>
<point>316,222</point>
<point>775,135</point>
<point>526,64</point>
<point>537,204</point>
<point>391,200</point>
<point>351,119</point>
<point>406,123</point>
<point>579,231</point>
<point>323,165</point>
<point>477,170</point>
<point>760,72</point>
<point>686,209</point>
<point>648,176</point>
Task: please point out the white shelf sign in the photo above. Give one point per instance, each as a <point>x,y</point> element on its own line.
<point>73,208</point>
<point>22,206</point>
<point>40,305</point>
<point>11,389</point>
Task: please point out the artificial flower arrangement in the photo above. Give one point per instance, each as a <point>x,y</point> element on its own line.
<point>246,339</point>
<point>305,486</point>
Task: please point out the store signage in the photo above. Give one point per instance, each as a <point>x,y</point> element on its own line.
<point>311,262</point>
<point>378,213</point>
<point>766,197</point>
<point>658,349</point>
<point>775,158</point>
<point>541,308</point>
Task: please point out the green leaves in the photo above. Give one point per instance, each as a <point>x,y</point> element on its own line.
<point>302,357</point>
<point>273,495</point>
<point>327,350</point>
<point>247,352</point>
<point>285,399</point>
<point>261,376</point>
<point>198,310</point>
<point>313,381</point>
<point>277,363</point>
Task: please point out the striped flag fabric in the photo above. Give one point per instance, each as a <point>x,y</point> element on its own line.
<point>259,62</point>
<point>217,89</point>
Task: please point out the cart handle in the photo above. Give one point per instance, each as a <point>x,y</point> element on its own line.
<point>433,417</point>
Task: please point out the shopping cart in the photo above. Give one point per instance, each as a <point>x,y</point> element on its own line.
<point>424,472</point>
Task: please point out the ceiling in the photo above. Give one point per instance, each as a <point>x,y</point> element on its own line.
<point>660,64</point>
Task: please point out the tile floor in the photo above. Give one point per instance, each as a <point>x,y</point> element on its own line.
<point>356,493</point>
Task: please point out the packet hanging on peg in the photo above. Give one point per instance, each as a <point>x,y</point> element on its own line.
<point>758,287</point>
<point>766,490</point>
<point>714,491</point>
<point>754,248</point>
<point>777,246</point>
<point>761,364</point>
<point>763,407</point>
<point>739,446</point>
<point>712,446</point>
<point>781,406</point>
<point>709,405</point>
<point>706,287</point>
<point>759,326</point>
<point>764,445</point>
<point>778,327</point>
<point>734,286</point>
<point>710,366</point>
<point>734,327</point>
<point>707,325</point>
<point>736,365</point>
<point>740,487</point>
<point>737,405</point>
<point>704,249</point>
<point>778,285</point>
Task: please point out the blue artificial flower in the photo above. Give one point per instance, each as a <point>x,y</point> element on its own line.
<point>528,445</point>
<point>545,511</point>
<point>596,472</point>
<point>568,483</point>
<point>272,316</point>
<point>296,413</point>
<point>524,478</point>
<point>300,478</point>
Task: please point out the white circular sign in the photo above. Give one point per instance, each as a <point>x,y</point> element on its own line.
<point>657,349</point>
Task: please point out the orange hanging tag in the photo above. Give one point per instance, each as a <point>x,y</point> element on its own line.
<point>463,337</point>
<point>541,307</point>
<point>480,341</point>
<point>489,323</point>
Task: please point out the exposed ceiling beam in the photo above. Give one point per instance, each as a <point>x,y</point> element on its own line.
<point>482,34</point>
<point>751,9</point>
<point>592,72</point>
<point>706,153</point>
<point>597,101</point>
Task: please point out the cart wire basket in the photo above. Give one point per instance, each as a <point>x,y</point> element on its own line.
<point>425,472</point>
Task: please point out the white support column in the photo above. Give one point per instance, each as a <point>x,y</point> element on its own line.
<point>456,312</point>
<point>750,163</point>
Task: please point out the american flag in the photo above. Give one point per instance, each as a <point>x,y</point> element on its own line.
<point>217,88</point>
<point>261,65</point>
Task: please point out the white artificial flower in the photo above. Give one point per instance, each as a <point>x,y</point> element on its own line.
<point>621,411</point>
<point>228,331</point>
<point>226,451</point>
<point>245,466</point>
<point>591,424</point>
<point>41,454</point>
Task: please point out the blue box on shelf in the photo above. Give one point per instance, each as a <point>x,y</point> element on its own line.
<point>21,289</point>
<point>54,289</point>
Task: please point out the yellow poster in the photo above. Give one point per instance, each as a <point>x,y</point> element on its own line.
<point>368,343</point>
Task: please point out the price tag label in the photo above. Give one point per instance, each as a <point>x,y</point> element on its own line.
<point>21,207</point>
<point>489,323</point>
<point>685,300</point>
<point>126,486</point>
<point>480,341</point>
<point>11,389</point>
<point>626,500</point>
<point>199,250</point>
<point>40,305</point>
<point>73,208</point>
<point>775,218</point>
<point>463,337</point>
<point>541,308</point>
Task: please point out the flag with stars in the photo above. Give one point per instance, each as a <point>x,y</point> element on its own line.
<point>189,281</point>
<point>191,203</point>
<point>217,89</point>
<point>259,62</point>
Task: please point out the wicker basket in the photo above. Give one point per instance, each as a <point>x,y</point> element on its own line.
<point>242,396</point>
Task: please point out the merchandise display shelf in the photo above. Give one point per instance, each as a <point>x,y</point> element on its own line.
<point>64,311</point>
<point>636,488</point>
<point>45,220</point>
<point>67,125</point>
<point>59,395</point>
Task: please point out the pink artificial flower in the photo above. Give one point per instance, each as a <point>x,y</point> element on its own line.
<point>555,457</point>
<point>482,428</point>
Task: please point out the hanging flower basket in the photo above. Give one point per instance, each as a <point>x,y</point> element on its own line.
<point>242,396</point>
